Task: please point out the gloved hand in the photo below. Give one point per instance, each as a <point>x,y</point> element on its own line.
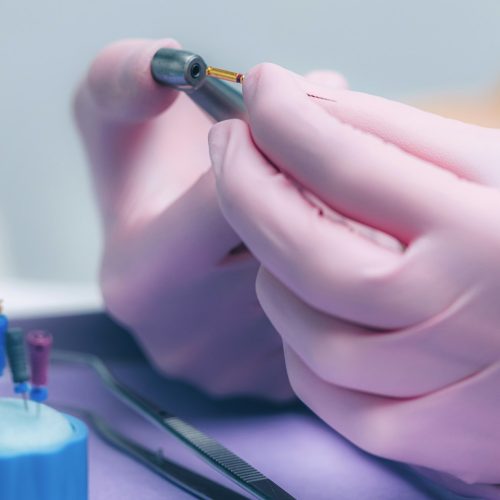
<point>397,348</point>
<point>173,269</point>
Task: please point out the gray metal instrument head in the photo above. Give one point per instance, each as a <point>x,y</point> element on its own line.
<point>180,69</point>
<point>186,71</point>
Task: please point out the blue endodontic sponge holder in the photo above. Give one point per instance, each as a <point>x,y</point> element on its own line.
<point>54,473</point>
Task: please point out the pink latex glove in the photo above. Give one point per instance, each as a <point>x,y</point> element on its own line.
<point>170,271</point>
<point>397,348</point>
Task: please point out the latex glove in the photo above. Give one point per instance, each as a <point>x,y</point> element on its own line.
<point>398,350</point>
<point>173,270</point>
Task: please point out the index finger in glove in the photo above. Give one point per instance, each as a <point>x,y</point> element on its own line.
<point>325,263</point>
<point>355,172</point>
<point>444,430</point>
<point>396,363</point>
<point>465,149</point>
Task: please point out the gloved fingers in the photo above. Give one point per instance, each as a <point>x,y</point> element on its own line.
<point>328,265</point>
<point>194,227</point>
<point>120,83</point>
<point>449,430</point>
<point>139,169</point>
<point>450,144</point>
<point>351,413</point>
<point>170,249</point>
<point>139,166</point>
<point>354,172</point>
<point>396,364</point>
<point>319,83</point>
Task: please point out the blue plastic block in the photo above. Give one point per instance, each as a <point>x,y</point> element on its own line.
<point>57,473</point>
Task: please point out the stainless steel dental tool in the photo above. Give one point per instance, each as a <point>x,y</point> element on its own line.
<point>183,70</point>
<point>207,448</point>
<point>197,485</point>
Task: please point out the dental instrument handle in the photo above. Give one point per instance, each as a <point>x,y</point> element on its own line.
<point>183,70</point>
<point>219,100</point>
<point>207,448</point>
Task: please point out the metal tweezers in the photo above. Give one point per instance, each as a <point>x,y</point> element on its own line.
<point>207,448</point>
<point>197,485</point>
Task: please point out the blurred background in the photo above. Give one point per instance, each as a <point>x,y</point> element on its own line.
<point>49,228</point>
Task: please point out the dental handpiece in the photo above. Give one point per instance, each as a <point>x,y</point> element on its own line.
<point>186,71</point>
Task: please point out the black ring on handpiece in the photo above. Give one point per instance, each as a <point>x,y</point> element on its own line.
<point>195,70</point>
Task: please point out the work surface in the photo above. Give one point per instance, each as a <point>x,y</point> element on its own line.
<point>288,444</point>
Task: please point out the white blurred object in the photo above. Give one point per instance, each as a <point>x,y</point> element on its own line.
<point>24,299</point>
<point>6,264</point>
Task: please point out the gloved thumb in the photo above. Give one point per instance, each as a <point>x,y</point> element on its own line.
<point>120,83</point>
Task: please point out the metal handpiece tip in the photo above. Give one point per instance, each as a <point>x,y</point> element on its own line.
<point>224,74</point>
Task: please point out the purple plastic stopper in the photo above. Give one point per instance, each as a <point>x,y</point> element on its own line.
<point>39,345</point>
